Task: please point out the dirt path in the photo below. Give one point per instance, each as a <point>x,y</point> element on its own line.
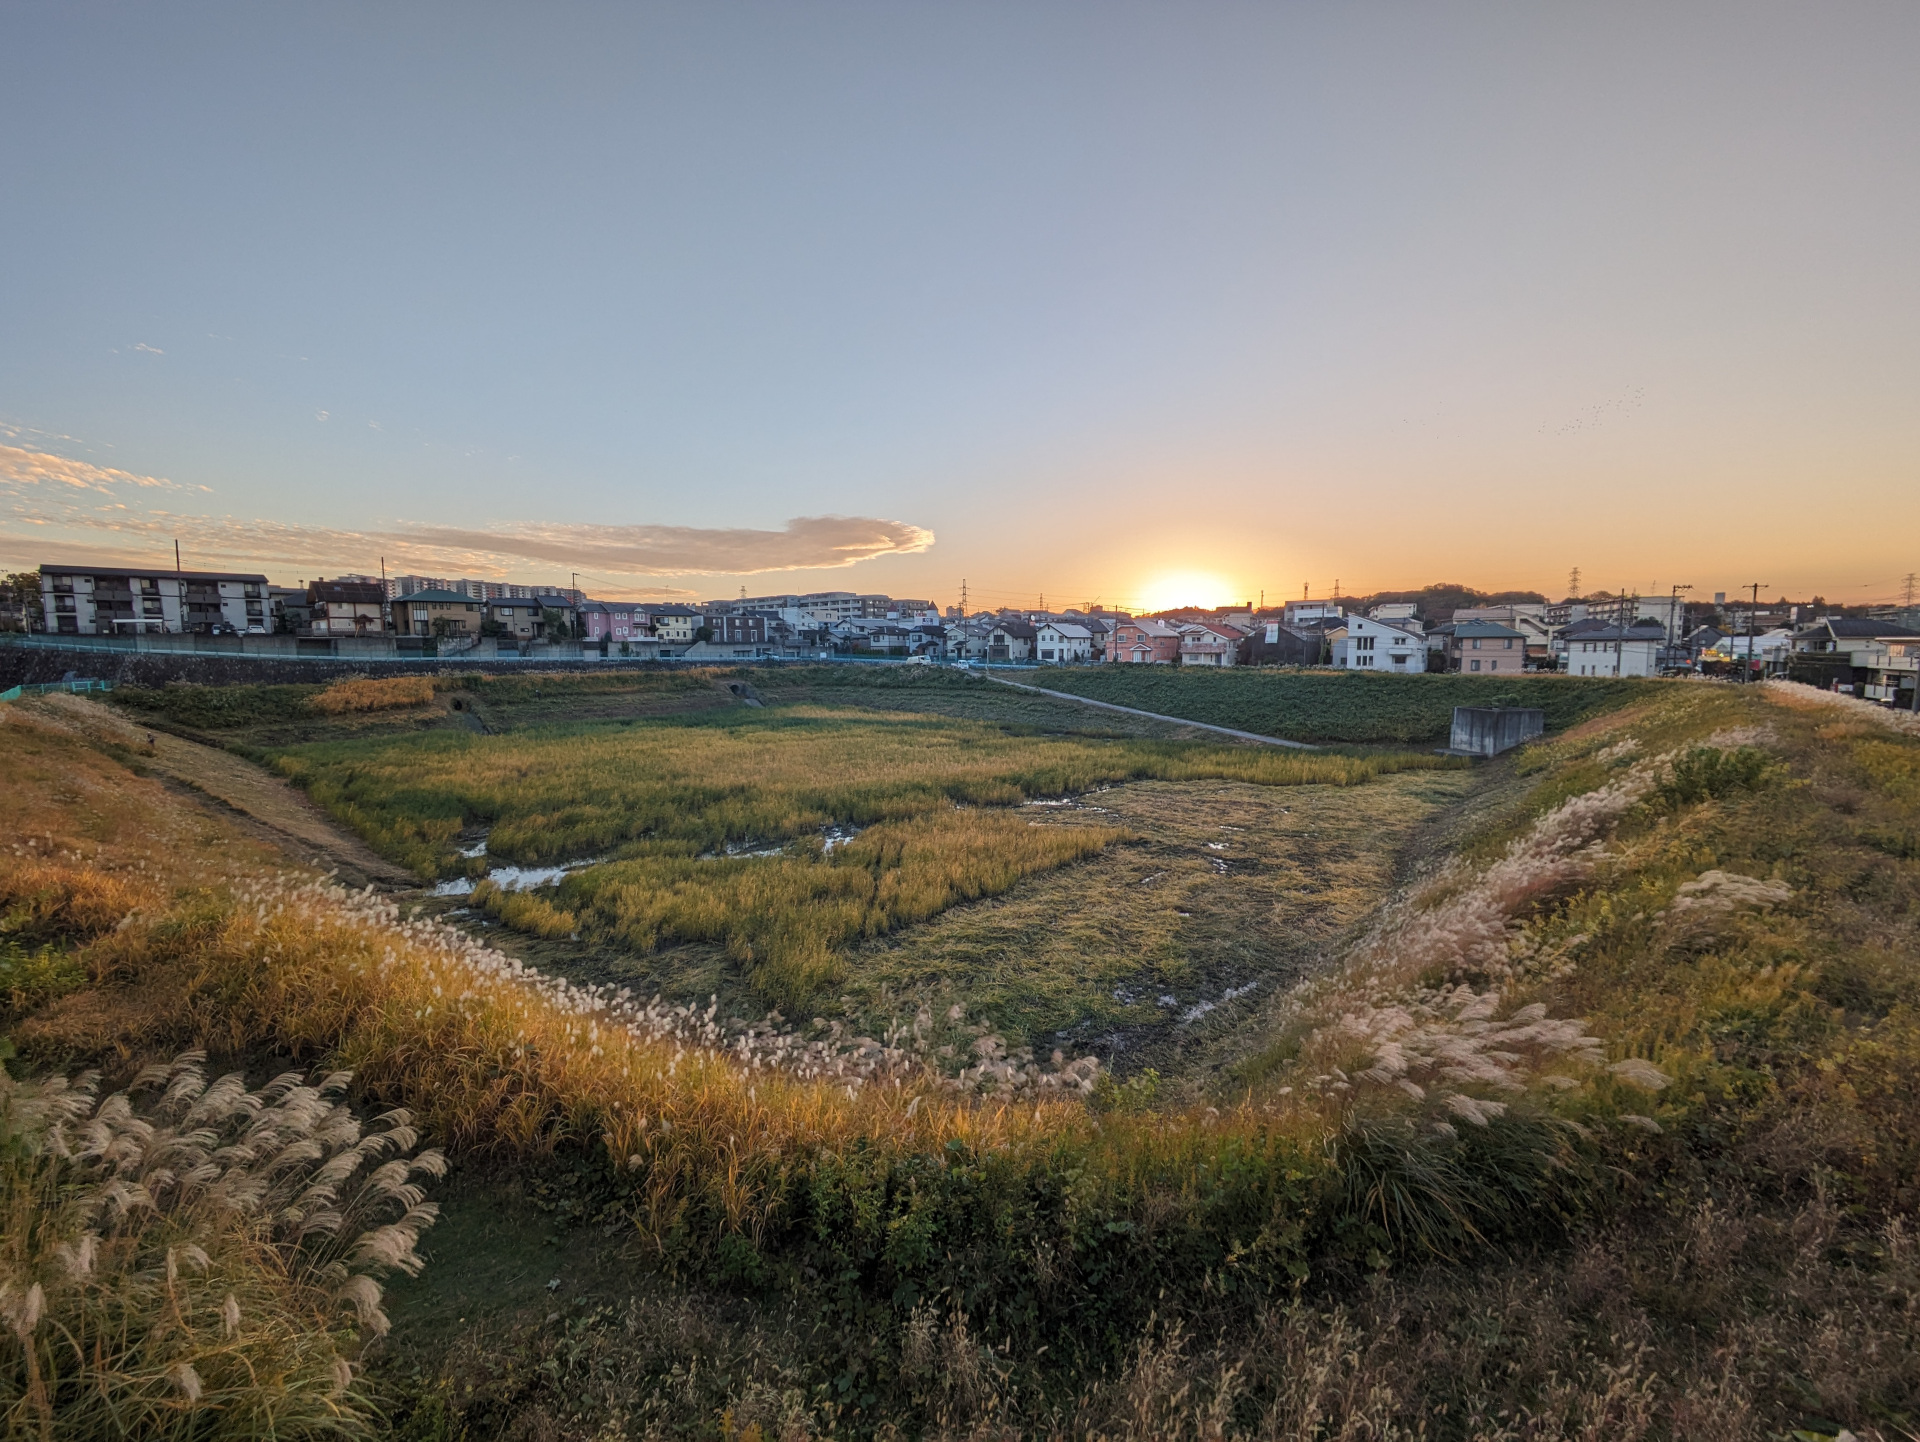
<point>259,801</point>
<point>1155,715</point>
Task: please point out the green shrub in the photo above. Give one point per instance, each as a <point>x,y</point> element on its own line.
<point>217,708</point>
<point>1709,773</point>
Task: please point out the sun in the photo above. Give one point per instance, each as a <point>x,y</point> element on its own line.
<point>1186,588</point>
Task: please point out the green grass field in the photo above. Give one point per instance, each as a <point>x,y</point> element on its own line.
<point>661,805</point>
<point>1331,706</point>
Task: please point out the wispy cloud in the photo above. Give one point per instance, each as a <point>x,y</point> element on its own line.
<point>26,468</point>
<point>808,543</point>
<point>60,509</point>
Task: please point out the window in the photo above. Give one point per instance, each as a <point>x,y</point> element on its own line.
<point>1476,665</point>
<point>1509,643</point>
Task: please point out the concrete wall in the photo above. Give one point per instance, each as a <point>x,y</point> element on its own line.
<point>1489,730</point>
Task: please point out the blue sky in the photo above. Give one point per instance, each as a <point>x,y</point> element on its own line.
<point>1093,300</point>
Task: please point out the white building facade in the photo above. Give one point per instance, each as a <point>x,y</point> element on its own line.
<point>1615,652</point>
<point>1365,644</point>
<point>108,601</point>
<point>1063,643</point>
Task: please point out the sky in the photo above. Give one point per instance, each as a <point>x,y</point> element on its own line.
<point>1136,304</point>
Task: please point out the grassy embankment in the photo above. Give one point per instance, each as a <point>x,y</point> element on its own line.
<point>1332,706</point>
<point>932,794</point>
<point>1696,1054</point>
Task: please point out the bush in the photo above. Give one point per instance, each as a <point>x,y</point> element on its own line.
<point>1709,773</point>
<point>216,708</point>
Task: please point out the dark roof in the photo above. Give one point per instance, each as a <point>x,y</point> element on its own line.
<point>157,571</point>
<point>1484,629</point>
<point>437,595</point>
<point>1019,630</point>
<point>364,593</point>
<point>1839,627</point>
<point>1629,633</point>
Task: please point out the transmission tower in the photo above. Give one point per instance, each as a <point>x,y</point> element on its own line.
<point>1573,584</point>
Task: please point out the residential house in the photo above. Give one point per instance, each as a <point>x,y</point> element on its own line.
<point>516,620</point>
<point>1209,643</point>
<point>437,613</point>
<point>1298,611</point>
<point>675,625</point>
<point>346,608</point>
<point>1275,643</point>
<point>1839,651</point>
<point>1063,642</point>
<point>612,621</point>
<point>1011,641</point>
<point>1895,673</point>
<point>1529,618</point>
<point>1564,636</point>
<point>1616,650</point>
<point>1484,648</point>
<point>116,601</point>
<point>1143,643</point>
<point>742,629</point>
<point>1361,643</point>
<point>1395,612</point>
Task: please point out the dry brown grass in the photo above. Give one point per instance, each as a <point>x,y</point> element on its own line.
<point>361,693</point>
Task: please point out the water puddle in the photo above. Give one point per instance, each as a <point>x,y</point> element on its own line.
<point>831,839</point>
<point>513,878</point>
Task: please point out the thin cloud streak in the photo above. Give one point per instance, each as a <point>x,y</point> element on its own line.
<point>51,502</point>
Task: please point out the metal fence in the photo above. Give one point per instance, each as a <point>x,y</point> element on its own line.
<point>41,688</point>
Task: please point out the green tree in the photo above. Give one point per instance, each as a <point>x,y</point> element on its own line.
<point>19,600</point>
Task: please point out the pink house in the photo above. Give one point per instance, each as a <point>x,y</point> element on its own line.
<point>1143,643</point>
<point>612,621</point>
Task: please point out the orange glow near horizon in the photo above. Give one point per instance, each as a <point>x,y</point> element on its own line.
<point>1186,588</point>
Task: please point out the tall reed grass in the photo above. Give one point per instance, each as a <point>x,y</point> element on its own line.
<point>194,1259</point>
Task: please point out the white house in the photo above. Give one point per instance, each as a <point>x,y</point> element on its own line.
<point>1616,651</point>
<point>1063,642</point>
<point>1362,643</point>
<point>1393,612</point>
<point>1297,611</point>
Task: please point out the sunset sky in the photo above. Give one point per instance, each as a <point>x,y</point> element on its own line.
<point>1129,303</point>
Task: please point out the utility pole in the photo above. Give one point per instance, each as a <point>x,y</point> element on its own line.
<point>1673,614</point>
<point>179,588</point>
<point>1620,633</point>
<point>386,605</point>
<point>1751,611</point>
